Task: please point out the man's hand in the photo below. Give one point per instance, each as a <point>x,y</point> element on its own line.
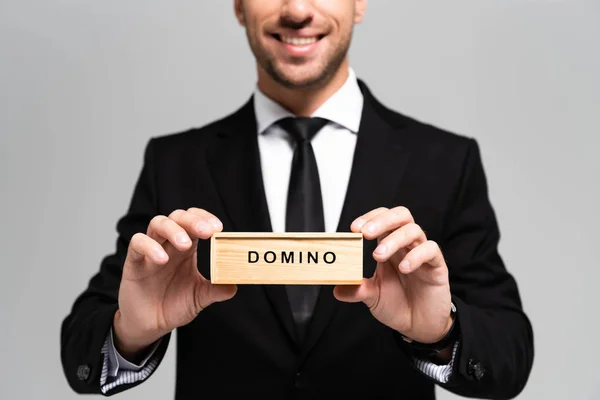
<point>410,290</point>
<point>161,288</point>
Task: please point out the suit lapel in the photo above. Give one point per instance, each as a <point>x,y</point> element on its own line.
<point>378,165</point>
<point>235,167</point>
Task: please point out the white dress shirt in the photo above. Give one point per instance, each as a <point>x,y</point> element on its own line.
<point>334,148</point>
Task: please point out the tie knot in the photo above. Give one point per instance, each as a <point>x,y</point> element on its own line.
<point>302,129</point>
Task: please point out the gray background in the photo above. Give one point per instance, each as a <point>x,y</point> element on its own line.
<point>84,84</point>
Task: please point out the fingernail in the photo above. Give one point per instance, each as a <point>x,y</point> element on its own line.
<point>202,226</point>
<point>370,228</point>
<point>405,265</point>
<point>359,222</point>
<point>182,238</point>
<point>381,249</point>
<point>215,223</point>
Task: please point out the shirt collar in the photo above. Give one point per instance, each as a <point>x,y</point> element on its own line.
<point>343,108</point>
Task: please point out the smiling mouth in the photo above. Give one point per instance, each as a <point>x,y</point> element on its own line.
<point>298,41</point>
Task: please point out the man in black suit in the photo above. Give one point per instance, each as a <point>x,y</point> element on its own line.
<point>311,150</point>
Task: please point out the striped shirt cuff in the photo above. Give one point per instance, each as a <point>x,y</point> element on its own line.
<point>440,373</point>
<point>117,371</point>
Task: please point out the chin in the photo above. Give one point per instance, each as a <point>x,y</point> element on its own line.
<point>298,77</point>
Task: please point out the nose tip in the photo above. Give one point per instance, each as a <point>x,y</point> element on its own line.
<point>297,10</point>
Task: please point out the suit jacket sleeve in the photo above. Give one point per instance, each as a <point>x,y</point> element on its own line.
<point>495,352</point>
<point>84,330</point>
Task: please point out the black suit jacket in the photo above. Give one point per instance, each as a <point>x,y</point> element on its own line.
<point>246,345</point>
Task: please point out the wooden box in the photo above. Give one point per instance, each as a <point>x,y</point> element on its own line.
<point>287,258</point>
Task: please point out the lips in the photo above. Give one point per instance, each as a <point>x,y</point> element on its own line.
<point>298,46</point>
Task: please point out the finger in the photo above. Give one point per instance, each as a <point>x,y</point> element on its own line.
<point>387,221</point>
<point>359,222</point>
<point>407,237</point>
<point>428,253</point>
<point>219,293</point>
<point>208,293</point>
<point>366,292</point>
<point>142,247</point>
<point>197,222</point>
<point>163,229</point>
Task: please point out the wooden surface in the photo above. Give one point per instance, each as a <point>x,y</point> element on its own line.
<point>287,258</point>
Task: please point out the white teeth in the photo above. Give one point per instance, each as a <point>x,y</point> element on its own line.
<point>298,41</point>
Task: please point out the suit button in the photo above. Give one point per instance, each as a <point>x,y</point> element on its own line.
<point>83,372</point>
<point>298,380</point>
<point>476,369</point>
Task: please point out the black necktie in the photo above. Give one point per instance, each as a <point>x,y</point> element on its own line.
<point>304,208</point>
